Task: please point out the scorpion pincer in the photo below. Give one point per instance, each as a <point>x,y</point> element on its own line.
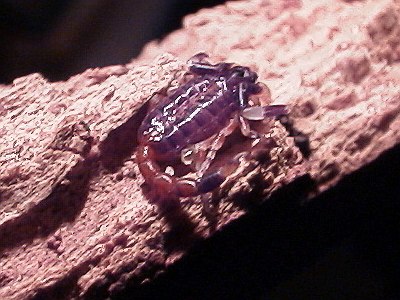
<point>216,99</point>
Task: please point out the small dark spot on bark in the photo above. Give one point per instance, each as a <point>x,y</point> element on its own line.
<point>362,141</point>
<point>262,155</point>
<point>285,121</point>
<point>354,69</point>
<point>301,140</point>
<point>386,120</point>
<point>4,280</point>
<point>304,110</point>
<point>303,143</point>
<point>119,177</point>
<point>329,172</point>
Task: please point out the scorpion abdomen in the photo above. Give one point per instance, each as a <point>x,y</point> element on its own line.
<point>208,117</point>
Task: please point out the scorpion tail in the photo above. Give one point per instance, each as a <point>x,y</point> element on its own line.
<point>163,185</point>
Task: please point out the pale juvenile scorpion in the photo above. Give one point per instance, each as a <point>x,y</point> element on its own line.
<point>190,124</point>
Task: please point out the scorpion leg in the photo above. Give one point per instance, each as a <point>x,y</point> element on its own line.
<point>246,130</point>
<point>210,181</point>
<point>212,146</point>
<point>198,58</point>
<point>200,66</point>
<point>202,155</point>
<point>262,95</point>
<point>195,155</point>
<point>258,113</point>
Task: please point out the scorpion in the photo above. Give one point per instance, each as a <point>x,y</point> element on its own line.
<point>191,122</point>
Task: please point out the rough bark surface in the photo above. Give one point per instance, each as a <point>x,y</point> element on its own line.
<point>73,217</point>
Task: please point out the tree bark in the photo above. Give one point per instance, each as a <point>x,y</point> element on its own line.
<point>73,215</point>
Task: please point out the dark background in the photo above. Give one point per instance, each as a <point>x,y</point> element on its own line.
<point>345,244</point>
<point>60,38</point>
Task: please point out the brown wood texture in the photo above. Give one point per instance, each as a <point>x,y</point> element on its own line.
<point>73,216</point>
